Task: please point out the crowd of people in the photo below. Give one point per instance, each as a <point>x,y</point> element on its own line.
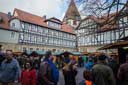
<point>29,70</point>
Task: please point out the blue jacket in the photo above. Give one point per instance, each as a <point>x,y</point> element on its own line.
<point>55,71</point>
<point>9,72</point>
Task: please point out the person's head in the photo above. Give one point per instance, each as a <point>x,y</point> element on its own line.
<point>48,54</point>
<point>90,60</point>
<point>102,58</point>
<point>9,54</point>
<point>87,75</point>
<point>28,65</point>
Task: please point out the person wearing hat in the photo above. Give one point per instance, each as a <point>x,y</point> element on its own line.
<point>102,73</point>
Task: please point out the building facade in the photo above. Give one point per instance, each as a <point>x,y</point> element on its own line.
<point>38,33</point>
<point>8,37</point>
<point>92,35</point>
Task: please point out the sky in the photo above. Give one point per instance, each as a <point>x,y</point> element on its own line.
<point>50,8</point>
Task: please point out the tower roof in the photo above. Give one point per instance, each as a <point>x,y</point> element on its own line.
<point>72,12</point>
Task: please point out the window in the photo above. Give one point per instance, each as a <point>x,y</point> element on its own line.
<point>37,49</point>
<point>45,31</point>
<point>21,36</point>
<point>12,34</point>
<point>13,24</point>
<point>42,49</point>
<point>54,25</point>
<point>26,26</point>
<point>24,49</point>
<point>22,25</point>
<point>31,49</point>
<point>125,19</point>
<point>74,22</point>
<point>54,50</point>
<point>33,28</point>
<point>50,32</point>
<point>39,29</point>
<point>38,39</point>
<point>33,38</point>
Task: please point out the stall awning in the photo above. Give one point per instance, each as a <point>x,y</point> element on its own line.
<point>41,52</point>
<point>57,53</point>
<point>115,45</point>
<point>72,53</point>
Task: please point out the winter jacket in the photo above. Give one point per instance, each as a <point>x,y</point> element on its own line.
<point>69,76</point>
<point>103,75</point>
<point>45,74</point>
<point>28,77</point>
<point>9,70</point>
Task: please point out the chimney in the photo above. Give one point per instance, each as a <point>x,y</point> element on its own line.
<point>44,17</point>
<point>9,15</point>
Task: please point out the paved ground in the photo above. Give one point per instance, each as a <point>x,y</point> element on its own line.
<point>79,77</point>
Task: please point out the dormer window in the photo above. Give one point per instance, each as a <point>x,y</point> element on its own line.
<point>54,25</point>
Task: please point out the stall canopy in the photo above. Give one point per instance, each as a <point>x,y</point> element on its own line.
<point>72,53</point>
<point>115,45</point>
<point>34,53</point>
<point>26,53</point>
<point>57,53</point>
<point>41,52</point>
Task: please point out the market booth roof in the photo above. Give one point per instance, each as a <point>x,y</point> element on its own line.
<point>72,53</point>
<point>115,45</point>
<point>34,53</point>
<point>57,53</point>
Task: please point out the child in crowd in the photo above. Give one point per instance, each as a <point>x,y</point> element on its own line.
<point>88,78</point>
<point>28,74</point>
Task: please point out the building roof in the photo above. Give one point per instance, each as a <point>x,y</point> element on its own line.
<point>53,19</point>
<point>28,17</point>
<point>72,12</point>
<point>67,28</point>
<point>34,19</point>
<point>4,21</point>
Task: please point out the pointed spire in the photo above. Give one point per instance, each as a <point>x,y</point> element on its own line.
<point>72,12</point>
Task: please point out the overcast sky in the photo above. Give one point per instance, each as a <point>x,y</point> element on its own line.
<point>51,8</point>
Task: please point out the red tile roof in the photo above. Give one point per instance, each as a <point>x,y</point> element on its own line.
<point>67,28</point>
<point>34,19</point>
<point>28,17</point>
<point>4,23</point>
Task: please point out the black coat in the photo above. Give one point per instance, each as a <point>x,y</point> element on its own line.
<point>69,76</point>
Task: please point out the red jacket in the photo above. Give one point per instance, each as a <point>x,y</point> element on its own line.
<point>28,77</point>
